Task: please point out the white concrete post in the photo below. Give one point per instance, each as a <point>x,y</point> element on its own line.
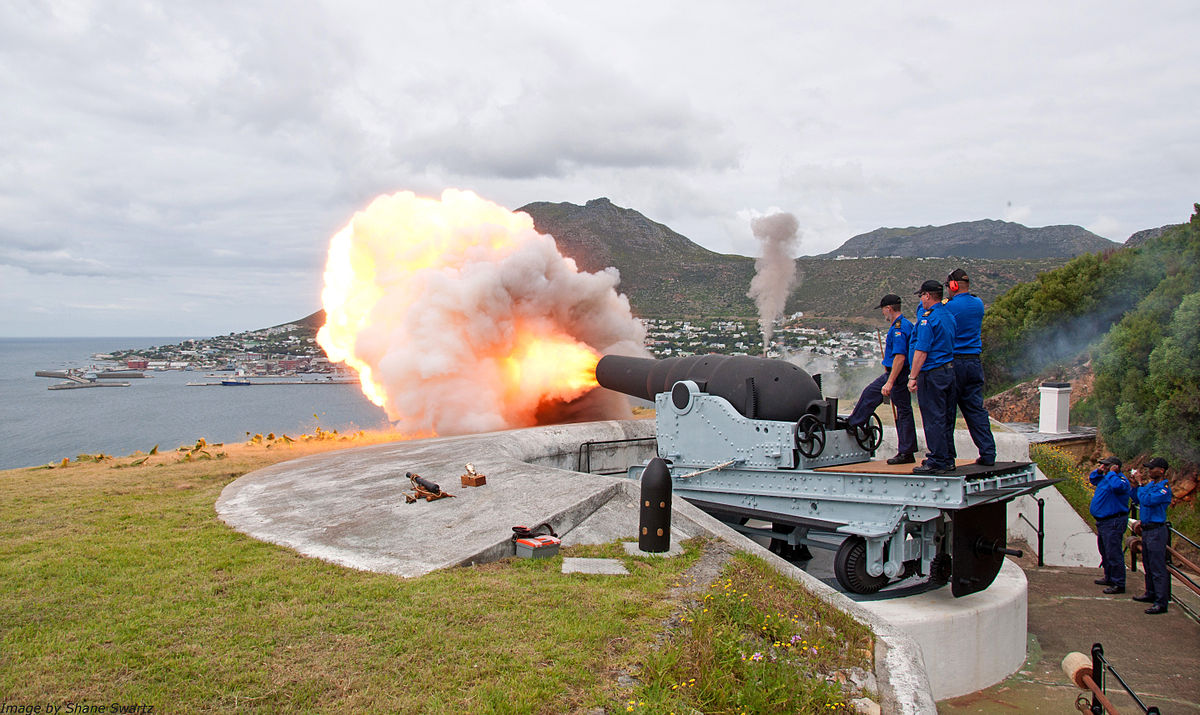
<point>1056,408</point>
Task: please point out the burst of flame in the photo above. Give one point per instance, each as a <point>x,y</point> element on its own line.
<point>403,249</point>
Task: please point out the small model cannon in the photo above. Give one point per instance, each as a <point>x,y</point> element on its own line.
<point>753,438</point>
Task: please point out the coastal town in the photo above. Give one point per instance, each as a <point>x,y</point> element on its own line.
<point>292,348</point>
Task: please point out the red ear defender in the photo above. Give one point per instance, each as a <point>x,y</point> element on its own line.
<point>953,286</point>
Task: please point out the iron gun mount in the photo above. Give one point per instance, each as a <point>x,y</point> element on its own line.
<point>753,438</point>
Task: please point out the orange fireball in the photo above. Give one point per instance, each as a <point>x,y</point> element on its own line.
<point>460,317</point>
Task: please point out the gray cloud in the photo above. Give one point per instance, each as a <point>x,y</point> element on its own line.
<point>145,147</point>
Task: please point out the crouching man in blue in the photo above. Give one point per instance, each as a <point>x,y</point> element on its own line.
<point>892,383</point>
<point>1110,507</point>
<point>1154,497</point>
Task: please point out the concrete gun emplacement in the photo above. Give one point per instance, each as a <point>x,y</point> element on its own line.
<point>754,438</point>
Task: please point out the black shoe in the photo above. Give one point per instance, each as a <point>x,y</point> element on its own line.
<point>1114,589</point>
<point>930,469</point>
<point>985,462</point>
<point>1144,598</point>
<point>1102,582</point>
<point>902,459</point>
<point>1155,610</point>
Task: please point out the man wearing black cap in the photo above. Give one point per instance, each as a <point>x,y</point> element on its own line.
<point>932,378</point>
<point>968,368</point>
<point>892,383</point>
<point>1154,496</point>
<point>1110,508</point>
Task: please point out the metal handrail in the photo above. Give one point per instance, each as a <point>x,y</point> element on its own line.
<point>1040,530</point>
<point>1094,680</point>
<point>585,449</point>
<point>1180,535</point>
<point>1136,546</point>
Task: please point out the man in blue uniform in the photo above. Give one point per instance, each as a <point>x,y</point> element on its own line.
<point>1110,507</point>
<point>892,383</point>
<point>1154,497</point>
<point>968,368</point>
<point>932,378</point>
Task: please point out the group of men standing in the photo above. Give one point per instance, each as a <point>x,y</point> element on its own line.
<point>938,358</point>
<point>1110,508</point>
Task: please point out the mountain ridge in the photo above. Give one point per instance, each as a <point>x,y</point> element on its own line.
<point>985,238</point>
<point>665,274</point>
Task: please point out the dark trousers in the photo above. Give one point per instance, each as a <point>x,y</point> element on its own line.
<point>871,398</point>
<point>1154,555</point>
<point>935,396</point>
<point>968,384</point>
<point>1110,534</point>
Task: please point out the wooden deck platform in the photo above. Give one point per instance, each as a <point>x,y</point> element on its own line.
<point>965,467</point>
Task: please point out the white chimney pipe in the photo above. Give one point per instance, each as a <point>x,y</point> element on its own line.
<point>1056,408</point>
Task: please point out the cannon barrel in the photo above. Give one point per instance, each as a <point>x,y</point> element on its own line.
<point>758,388</point>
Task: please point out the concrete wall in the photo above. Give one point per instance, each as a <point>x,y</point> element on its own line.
<point>968,643</point>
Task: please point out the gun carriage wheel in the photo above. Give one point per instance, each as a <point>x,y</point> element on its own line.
<point>870,435</point>
<point>810,436</point>
<point>850,567</point>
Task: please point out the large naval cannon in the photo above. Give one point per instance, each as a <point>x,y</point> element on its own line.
<point>753,438</point>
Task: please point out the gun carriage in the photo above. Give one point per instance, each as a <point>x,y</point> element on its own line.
<point>753,438</point>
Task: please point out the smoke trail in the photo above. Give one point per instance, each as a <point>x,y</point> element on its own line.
<point>460,317</point>
<point>775,270</point>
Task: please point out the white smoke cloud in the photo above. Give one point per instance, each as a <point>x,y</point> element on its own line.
<point>775,269</point>
<point>462,318</point>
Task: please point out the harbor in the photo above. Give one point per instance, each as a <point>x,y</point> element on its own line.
<point>247,382</point>
<point>38,426</point>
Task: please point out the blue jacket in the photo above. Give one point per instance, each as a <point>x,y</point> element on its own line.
<point>934,334</point>
<point>1154,498</point>
<point>897,341</point>
<point>1112,493</point>
<point>968,319</point>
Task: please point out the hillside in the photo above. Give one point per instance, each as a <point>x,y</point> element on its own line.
<point>1136,312</point>
<point>975,239</point>
<point>667,275</point>
<point>662,272</point>
<point>1141,237</point>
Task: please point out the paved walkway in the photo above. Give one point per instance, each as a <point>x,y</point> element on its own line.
<point>1159,656</point>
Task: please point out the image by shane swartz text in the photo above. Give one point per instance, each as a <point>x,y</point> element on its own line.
<point>73,709</point>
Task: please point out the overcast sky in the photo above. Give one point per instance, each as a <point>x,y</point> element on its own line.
<point>178,168</point>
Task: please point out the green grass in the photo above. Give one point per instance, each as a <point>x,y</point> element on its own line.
<point>755,643</point>
<point>1075,488</point>
<point>118,584</point>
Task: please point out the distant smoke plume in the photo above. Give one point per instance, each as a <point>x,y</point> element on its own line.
<point>459,317</point>
<point>775,270</point>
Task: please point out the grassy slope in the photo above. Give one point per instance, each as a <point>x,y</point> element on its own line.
<point>120,585</point>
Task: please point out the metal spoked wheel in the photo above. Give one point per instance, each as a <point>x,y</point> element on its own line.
<point>810,436</point>
<point>850,567</point>
<point>870,435</point>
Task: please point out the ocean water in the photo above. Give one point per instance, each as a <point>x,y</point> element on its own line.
<point>39,425</point>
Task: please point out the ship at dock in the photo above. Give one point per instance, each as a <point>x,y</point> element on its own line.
<point>77,379</point>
